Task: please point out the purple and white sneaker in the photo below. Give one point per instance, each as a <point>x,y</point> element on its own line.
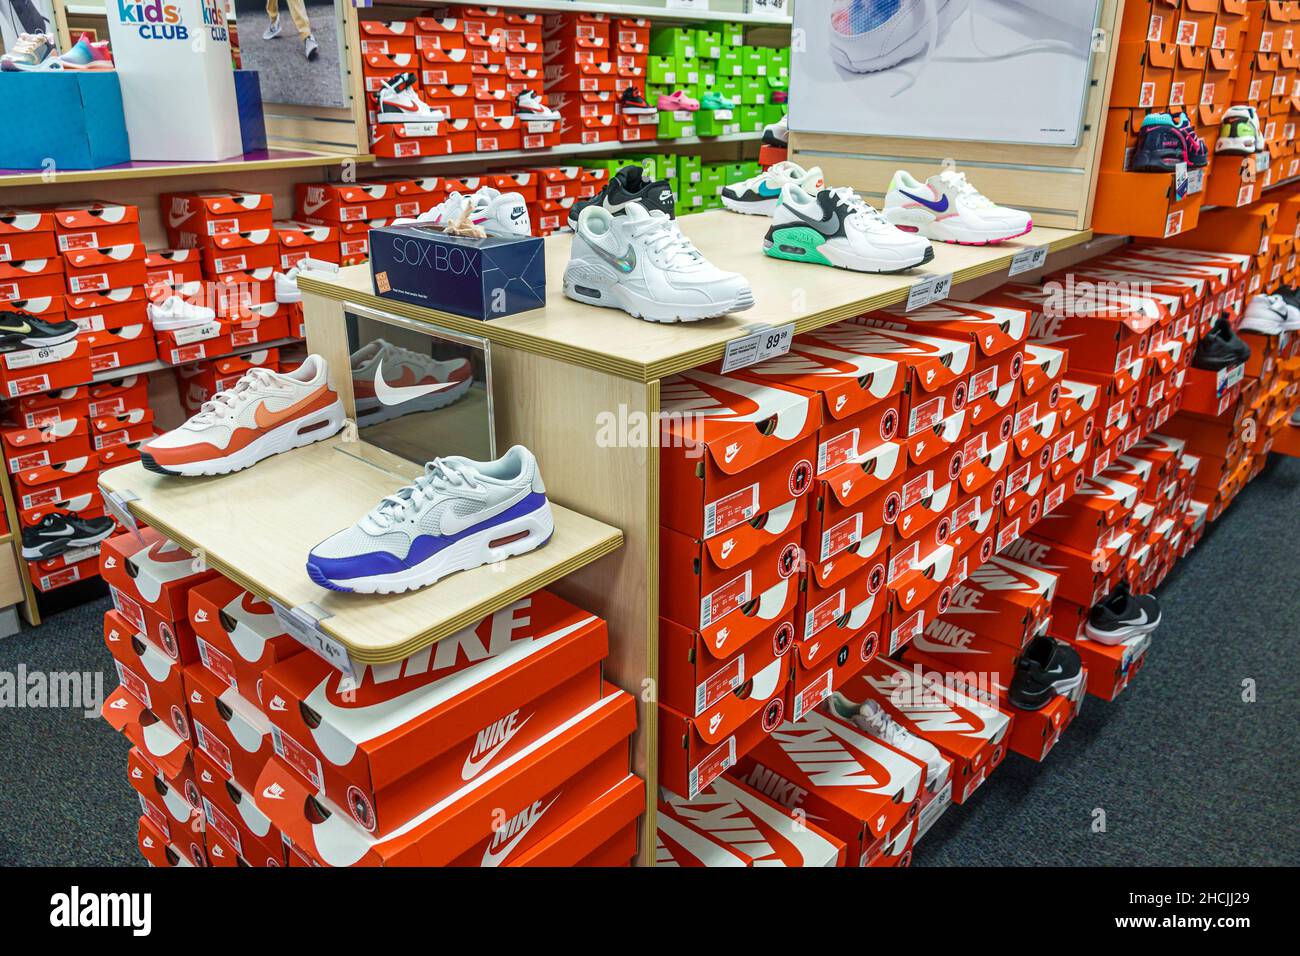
<point>458,515</point>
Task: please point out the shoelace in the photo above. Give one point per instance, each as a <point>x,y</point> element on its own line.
<point>861,208</point>
<point>440,476</point>
<point>884,725</point>
<point>962,186</point>
<point>224,404</point>
<point>665,242</point>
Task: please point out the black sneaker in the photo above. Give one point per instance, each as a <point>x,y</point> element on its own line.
<point>1045,669</point>
<point>1122,615</point>
<point>1160,149</point>
<point>630,185</point>
<point>1221,348</point>
<point>60,532</point>
<point>633,102</point>
<point>1290,295</point>
<point>22,330</point>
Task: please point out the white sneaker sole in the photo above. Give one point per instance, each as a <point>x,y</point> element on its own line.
<point>760,207</point>
<point>470,552</point>
<point>614,295</point>
<point>426,403</point>
<point>292,434</point>
<point>950,230</point>
<point>1112,638</point>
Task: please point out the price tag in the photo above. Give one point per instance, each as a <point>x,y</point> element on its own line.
<point>928,290</point>
<point>116,503</point>
<point>1262,161</point>
<point>1195,181</point>
<point>687,4</point>
<point>1027,260</point>
<point>771,7</point>
<point>304,628</point>
<point>757,346</point>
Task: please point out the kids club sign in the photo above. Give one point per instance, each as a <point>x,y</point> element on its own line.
<point>155,20</point>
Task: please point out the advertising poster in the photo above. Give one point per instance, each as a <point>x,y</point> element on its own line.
<point>295,48</point>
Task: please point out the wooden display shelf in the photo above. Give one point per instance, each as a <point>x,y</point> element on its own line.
<point>248,163</point>
<point>611,341</point>
<point>257,527</point>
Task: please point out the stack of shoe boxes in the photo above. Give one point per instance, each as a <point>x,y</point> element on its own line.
<point>557,188</point>
<point>351,208</point>
<point>240,253</point>
<point>582,77</point>
<point>629,51</point>
<point>434,64</point>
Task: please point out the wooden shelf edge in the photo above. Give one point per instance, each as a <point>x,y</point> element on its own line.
<point>219,168</point>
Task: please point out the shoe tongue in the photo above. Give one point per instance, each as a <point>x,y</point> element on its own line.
<point>635,212</point>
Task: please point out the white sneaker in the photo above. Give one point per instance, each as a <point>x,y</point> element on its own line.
<point>867,37</point>
<point>1270,315</point>
<point>310,48</point>
<point>641,263</point>
<point>777,134</point>
<point>286,283</point>
<point>499,214</point>
<point>759,195</point>
<point>272,29</point>
<point>399,103</point>
<point>175,313</point>
<point>530,106</point>
<point>947,208</point>
<point>389,381</point>
<point>837,227</point>
<point>458,515</point>
<point>874,721</point>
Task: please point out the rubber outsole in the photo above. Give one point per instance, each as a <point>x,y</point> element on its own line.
<point>769,246</point>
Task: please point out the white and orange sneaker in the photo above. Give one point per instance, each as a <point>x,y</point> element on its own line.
<point>390,381</point>
<point>264,414</point>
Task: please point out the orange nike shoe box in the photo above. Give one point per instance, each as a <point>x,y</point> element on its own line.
<point>148,673</point>
<point>1043,370</point>
<point>537,789</point>
<point>490,99</point>
<point>238,634</point>
<point>119,395</point>
<point>121,348</point>
<point>158,851</point>
<point>167,806</point>
<point>1110,666</point>
<point>27,371</point>
<point>262,323</point>
<point>973,538</point>
<point>872,789</point>
<point>1100,504</point>
<point>151,736</point>
<point>229,729</point>
<point>44,409</point>
<point>679,844</point>
<point>393,36</point>
<point>719,470</point>
<point>236,817</point>
<point>98,270</point>
<point>86,506</point>
<point>47,484</point>
<point>345,202</point>
<point>834,604</point>
<point>153,571</point>
<point>739,580</point>
<point>604,833</point>
<point>920,587</point>
<point>190,349</point>
<point>31,279</point>
<point>220,853</point>
<point>301,240</point>
<point>171,268</point>
<point>1077,577</point>
<point>120,455</point>
<point>94,225</point>
<point>177,771</point>
<point>69,568</point>
<point>443,33</point>
<point>852,512</point>
<point>53,444</point>
<point>925,705</point>
<point>1002,599</point>
<point>985,456</point>
<point>108,309</point>
<point>827,662</point>
<point>752,826</point>
<point>194,218</point>
<point>1070,448</point>
<point>26,234</point>
<point>927,501</point>
<point>241,252</point>
<point>398,743</point>
<point>438,67</point>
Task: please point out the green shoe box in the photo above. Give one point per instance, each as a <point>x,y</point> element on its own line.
<point>688,73</point>
<point>716,122</point>
<point>712,180</point>
<point>730,88</point>
<point>733,33</point>
<point>753,61</point>
<point>753,91</point>
<point>677,42</point>
<point>750,118</point>
<point>676,125</point>
<point>730,63</point>
<point>777,66</point>
<point>783,62</point>
<point>661,70</point>
<point>772,113</point>
<point>708,78</point>
<point>708,43</point>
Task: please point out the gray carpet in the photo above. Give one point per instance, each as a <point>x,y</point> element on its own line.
<point>1186,772</point>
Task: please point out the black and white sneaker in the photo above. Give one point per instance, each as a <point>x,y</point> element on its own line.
<point>1122,615</point>
<point>59,533</point>
<point>1221,348</point>
<point>630,185</point>
<point>1045,669</point>
<point>22,330</point>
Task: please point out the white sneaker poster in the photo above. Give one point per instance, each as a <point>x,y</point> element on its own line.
<point>1008,71</point>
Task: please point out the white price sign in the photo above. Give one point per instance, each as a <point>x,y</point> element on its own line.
<point>772,7</point>
<point>687,4</point>
<point>1027,260</point>
<point>929,290</point>
<point>305,629</point>
<point>757,346</point>
<point>116,503</point>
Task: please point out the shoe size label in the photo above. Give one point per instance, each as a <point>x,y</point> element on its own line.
<point>965,514</point>
<point>737,507</point>
<point>218,663</point>
<point>129,608</point>
<point>733,595</point>
<point>925,415</point>
<point>235,263</point>
<point>91,282</point>
<point>718,685</point>
<point>1054,499</point>
<point>983,384</point>
<point>1025,418</point>
<point>806,701</point>
<point>36,459</point>
<point>134,683</point>
<point>78,240</point>
<point>917,490</point>
<point>214,747</point>
<point>1008,534</point>
<point>837,451</point>
<point>223,825</point>
<point>298,757</point>
<point>911,627</point>
<point>711,767</point>
<point>757,346</point>
<point>904,561</point>
<point>1064,445</point>
<point>156,816</point>
<point>42,497</point>
<point>974,784</point>
<point>190,353</point>
<point>824,614</point>
<point>60,578</point>
<point>841,537</point>
<point>934,809</point>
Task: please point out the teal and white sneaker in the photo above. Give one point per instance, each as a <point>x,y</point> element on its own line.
<point>759,195</point>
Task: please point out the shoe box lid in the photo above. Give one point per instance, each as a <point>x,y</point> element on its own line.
<point>542,786</point>
<point>1220,272</point>
<point>1188,290</point>
<point>846,382</point>
<point>738,422</point>
<point>239,634</point>
<point>345,202</point>
<point>233,814</point>
<point>48,444</point>
<point>290,232</point>
<point>589,829</point>
<point>854,786</point>
<point>824,664</point>
<point>159,743</point>
<point>401,715</point>
<point>151,569</point>
<point>1070,311</point>
<point>1043,366</point>
<point>1003,598</point>
<point>167,807</point>
<point>679,844</point>
<point>1080,577</point>
<point>986,453</point>
<point>90,213</point>
<point>15,221</point>
<point>193,218</point>
<point>697,673</point>
<point>754,825</point>
<point>991,329</point>
<point>125,419</point>
<point>34,478</point>
<point>143,769</point>
<point>233,732</point>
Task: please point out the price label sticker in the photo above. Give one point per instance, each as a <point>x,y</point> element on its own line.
<point>116,503</point>
<point>305,629</point>
<point>757,346</point>
<point>929,290</point>
<point>1027,260</point>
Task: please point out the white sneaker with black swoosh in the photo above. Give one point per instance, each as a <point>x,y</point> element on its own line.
<point>389,381</point>
<point>837,227</point>
<point>458,515</point>
<point>641,262</point>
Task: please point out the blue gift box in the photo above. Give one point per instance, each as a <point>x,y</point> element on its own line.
<point>252,120</point>
<point>62,120</point>
<point>477,278</point>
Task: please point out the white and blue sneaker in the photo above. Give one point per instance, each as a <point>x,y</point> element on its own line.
<point>458,515</point>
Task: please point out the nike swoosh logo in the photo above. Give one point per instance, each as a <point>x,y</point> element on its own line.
<point>174,221</point>
<point>495,858</point>
<point>827,228</point>
<point>265,418</point>
<point>23,327</point>
<point>401,394</point>
<point>473,768</point>
<point>310,208</point>
<point>455,524</point>
<point>940,205</point>
<point>1139,623</point>
<point>768,192</point>
<point>624,263</point>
